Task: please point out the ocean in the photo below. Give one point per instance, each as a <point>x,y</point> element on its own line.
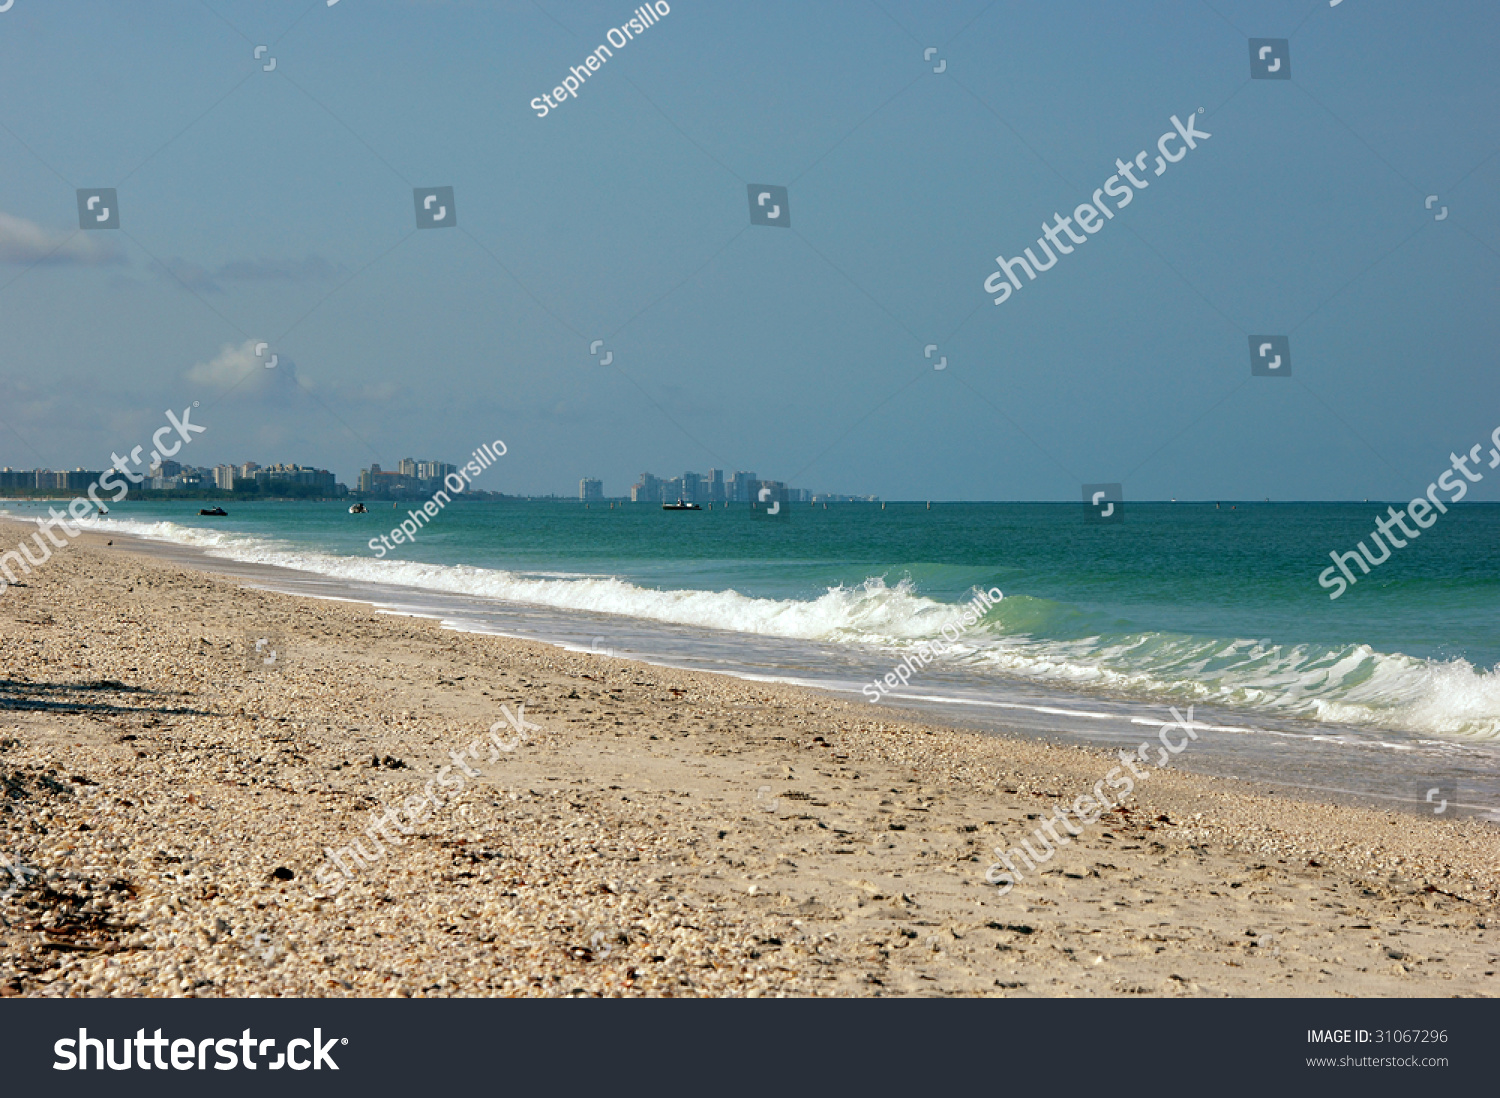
<point>1380,696</point>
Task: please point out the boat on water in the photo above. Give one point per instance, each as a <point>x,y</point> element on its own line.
<point>680,505</point>
<point>358,509</point>
<point>218,512</point>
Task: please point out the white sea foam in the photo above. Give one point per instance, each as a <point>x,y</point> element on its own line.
<point>1351,685</point>
<point>870,613</point>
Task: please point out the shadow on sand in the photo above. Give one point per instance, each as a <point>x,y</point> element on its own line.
<point>76,697</point>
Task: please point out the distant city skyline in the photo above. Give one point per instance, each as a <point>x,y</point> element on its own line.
<point>168,476</point>
<point>416,477</point>
<point>711,487</point>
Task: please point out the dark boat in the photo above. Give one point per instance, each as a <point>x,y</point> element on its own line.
<point>218,512</point>
<point>680,506</point>
<point>358,509</point>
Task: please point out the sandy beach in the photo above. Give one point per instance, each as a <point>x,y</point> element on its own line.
<point>167,816</point>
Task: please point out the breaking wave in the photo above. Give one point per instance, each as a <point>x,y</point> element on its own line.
<point>1041,640</point>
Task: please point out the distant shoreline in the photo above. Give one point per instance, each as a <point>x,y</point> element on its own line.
<point>163,496</point>
<point>155,496</point>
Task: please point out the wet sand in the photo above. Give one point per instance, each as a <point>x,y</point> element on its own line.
<point>168,816</point>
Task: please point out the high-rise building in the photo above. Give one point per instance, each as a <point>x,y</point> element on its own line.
<point>224,477</point>
<point>714,486</point>
<point>778,491</point>
<point>590,490</point>
<point>742,487</point>
<point>407,468</point>
<point>647,490</point>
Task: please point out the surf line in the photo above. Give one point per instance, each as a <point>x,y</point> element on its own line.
<point>480,460</point>
<point>927,651</point>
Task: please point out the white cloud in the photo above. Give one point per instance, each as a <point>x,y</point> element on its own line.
<point>238,369</point>
<point>228,368</point>
<point>237,366</point>
<point>26,242</point>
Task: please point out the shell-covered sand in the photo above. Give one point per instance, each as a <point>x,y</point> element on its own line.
<point>165,813</point>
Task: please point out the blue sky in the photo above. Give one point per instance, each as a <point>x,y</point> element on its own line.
<point>277,206</point>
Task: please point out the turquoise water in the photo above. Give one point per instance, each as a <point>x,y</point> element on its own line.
<point>1178,603</point>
